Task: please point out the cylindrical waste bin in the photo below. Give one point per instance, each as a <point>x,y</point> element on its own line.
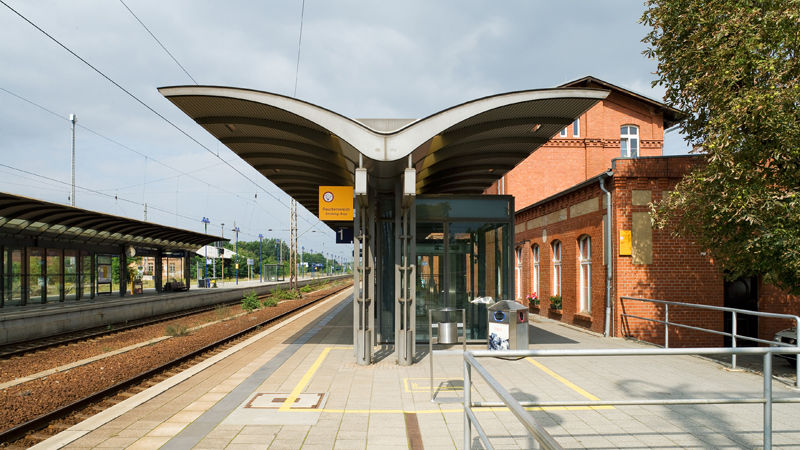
<point>508,326</point>
<point>448,327</point>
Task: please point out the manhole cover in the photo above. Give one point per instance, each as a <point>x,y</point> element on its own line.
<point>274,401</point>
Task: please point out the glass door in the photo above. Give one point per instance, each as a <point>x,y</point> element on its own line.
<point>430,283</point>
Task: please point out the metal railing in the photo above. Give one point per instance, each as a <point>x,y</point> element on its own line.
<point>733,334</point>
<point>543,438</point>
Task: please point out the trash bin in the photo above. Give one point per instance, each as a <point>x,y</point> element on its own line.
<point>508,326</point>
<point>448,326</point>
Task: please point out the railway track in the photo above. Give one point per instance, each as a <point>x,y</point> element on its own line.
<point>49,424</point>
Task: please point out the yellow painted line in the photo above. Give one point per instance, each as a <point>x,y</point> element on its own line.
<point>568,383</point>
<point>413,386</point>
<point>440,411</point>
<point>287,404</point>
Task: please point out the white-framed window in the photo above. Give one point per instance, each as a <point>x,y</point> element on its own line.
<point>585,260</point>
<point>535,271</point>
<point>629,141</point>
<point>576,128</point>
<point>556,247</point>
<point>518,270</point>
<point>564,132</point>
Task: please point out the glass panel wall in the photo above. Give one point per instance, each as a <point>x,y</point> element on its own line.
<point>12,266</point>
<point>53,275</point>
<point>70,274</point>
<point>35,281</point>
<point>173,273</point>
<point>104,274</point>
<point>86,276</point>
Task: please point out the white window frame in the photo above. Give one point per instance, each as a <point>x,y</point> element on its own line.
<point>625,140</point>
<point>556,248</point>
<point>563,132</point>
<point>585,260</point>
<point>536,268</point>
<point>518,271</point>
<point>576,128</point>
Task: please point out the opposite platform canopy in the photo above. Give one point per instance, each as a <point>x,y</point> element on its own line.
<point>461,150</point>
<point>25,218</point>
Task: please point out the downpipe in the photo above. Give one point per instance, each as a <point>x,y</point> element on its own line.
<point>608,245</point>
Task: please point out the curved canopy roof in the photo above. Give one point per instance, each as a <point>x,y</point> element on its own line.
<point>28,217</point>
<point>461,150</point>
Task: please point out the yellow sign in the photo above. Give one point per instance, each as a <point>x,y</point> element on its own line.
<point>625,243</point>
<point>336,203</point>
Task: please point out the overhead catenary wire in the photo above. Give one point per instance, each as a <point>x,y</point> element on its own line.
<point>144,155</point>
<point>151,109</point>
<point>141,102</point>
<point>158,41</point>
<point>299,44</point>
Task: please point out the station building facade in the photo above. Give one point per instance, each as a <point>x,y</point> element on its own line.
<point>563,248</point>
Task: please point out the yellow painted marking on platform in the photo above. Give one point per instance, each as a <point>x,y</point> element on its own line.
<point>412,386</point>
<point>567,383</point>
<point>439,411</point>
<point>287,404</point>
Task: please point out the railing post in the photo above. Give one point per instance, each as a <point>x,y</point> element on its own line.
<point>666,326</point>
<point>767,400</point>
<point>797,356</point>
<point>733,338</point>
<point>467,404</point>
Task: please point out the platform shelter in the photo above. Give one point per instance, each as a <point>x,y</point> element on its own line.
<point>53,253</point>
<point>424,235</point>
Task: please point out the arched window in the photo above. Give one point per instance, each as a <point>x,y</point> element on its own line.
<point>535,272</point>
<point>556,246</point>
<point>629,141</point>
<point>518,277</point>
<point>585,260</point>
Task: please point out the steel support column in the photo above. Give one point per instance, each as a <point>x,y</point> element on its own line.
<point>404,285</point>
<point>364,280</point>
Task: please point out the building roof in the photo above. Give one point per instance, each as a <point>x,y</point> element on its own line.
<point>671,115</point>
<point>460,150</point>
<point>25,217</point>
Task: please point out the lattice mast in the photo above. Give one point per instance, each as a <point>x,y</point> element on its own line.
<point>293,267</point>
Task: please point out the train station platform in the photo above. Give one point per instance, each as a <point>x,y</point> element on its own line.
<point>297,385</point>
<point>37,321</point>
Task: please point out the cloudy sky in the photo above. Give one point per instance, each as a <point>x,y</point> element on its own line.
<point>363,58</point>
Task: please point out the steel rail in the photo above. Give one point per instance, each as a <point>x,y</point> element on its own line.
<point>19,431</point>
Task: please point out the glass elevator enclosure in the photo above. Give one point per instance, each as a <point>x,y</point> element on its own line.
<point>462,250</point>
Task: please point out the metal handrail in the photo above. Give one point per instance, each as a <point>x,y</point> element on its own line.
<point>544,438</point>
<point>733,335</point>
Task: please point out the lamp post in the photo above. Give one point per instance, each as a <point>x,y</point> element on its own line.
<point>236,230</point>
<point>73,118</point>
<point>205,263</point>
<point>302,251</point>
<point>260,264</point>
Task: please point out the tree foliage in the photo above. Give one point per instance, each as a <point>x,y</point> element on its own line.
<point>732,66</point>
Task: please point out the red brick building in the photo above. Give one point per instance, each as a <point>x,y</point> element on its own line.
<point>560,235</point>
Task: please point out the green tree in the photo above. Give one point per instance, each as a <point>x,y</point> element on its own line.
<point>732,65</point>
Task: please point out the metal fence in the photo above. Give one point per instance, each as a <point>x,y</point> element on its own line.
<point>733,334</point>
<point>545,440</point>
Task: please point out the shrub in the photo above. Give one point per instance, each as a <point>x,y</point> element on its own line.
<point>270,302</point>
<point>555,302</point>
<point>177,330</point>
<point>250,301</point>
<point>285,294</point>
<point>306,288</point>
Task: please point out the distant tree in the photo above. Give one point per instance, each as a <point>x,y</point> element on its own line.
<point>733,66</point>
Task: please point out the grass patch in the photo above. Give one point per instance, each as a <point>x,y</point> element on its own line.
<point>177,330</point>
<point>269,302</point>
<point>221,311</point>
